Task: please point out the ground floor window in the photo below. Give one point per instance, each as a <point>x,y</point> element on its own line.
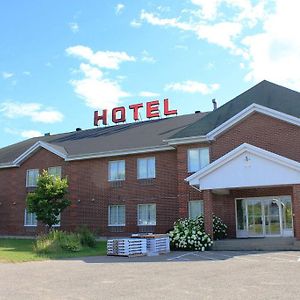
<point>116,215</point>
<point>195,208</point>
<point>147,214</point>
<point>30,219</point>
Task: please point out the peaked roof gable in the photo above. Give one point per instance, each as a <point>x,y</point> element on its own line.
<point>238,171</point>
<point>265,93</point>
<point>57,150</point>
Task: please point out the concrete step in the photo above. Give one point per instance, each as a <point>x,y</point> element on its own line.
<point>257,244</point>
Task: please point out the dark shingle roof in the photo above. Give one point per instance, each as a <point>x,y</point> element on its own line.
<point>103,139</point>
<point>264,93</point>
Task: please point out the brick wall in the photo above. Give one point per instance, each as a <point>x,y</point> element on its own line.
<point>91,192</point>
<point>262,131</point>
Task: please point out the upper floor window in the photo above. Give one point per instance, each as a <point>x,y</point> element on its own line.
<point>195,209</point>
<point>146,168</point>
<point>116,170</point>
<point>198,158</point>
<point>116,215</point>
<point>30,219</point>
<point>55,171</point>
<point>32,177</point>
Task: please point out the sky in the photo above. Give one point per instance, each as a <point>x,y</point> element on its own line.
<point>62,60</point>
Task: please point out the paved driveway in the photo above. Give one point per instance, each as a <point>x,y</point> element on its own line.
<point>179,275</point>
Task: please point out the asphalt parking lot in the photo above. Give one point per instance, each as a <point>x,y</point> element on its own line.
<point>178,275</point>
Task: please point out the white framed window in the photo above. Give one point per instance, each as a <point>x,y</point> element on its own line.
<point>146,168</point>
<point>198,158</point>
<point>116,170</point>
<point>55,171</point>
<point>30,219</point>
<point>195,208</point>
<point>58,224</point>
<point>146,214</point>
<point>116,215</point>
<point>32,177</point>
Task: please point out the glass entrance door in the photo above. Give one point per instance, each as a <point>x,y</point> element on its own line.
<point>264,216</point>
<point>255,218</point>
<point>272,217</point>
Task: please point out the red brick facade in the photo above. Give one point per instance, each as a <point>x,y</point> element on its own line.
<point>91,192</point>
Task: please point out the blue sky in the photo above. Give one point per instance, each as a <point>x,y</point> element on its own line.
<point>61,60</point>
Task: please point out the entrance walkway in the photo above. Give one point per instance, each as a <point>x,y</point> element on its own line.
<point>258,244</point>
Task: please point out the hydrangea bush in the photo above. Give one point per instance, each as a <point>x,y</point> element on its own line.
<point>219,228</point>
<point>189,234</point>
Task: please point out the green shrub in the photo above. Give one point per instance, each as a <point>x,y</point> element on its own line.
<point>57,241</point>
<point>189,234</point>
<point>220,229</point>
<point>87,238</point>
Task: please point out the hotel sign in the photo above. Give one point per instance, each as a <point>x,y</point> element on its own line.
<point>119,114</point>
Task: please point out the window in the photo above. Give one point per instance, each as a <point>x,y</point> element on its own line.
<point>30,219</point>
<point>198,158</point>
<point>195,208</point>
<point>116,215</point>
<point>58,218</point>
<point>32,177</point>
<point>146,214</point>
<point>116,170</point>
<point>146,168</point>
<point>55,171</point>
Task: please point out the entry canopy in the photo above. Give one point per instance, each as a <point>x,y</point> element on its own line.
<point>247,166</point>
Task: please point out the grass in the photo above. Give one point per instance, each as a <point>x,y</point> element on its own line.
<point>21,250</point>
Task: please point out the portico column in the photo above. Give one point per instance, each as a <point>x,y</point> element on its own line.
<point>208,211</point>
<point>296,210</point>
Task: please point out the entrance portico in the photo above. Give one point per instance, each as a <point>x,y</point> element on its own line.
<point>255,190</point>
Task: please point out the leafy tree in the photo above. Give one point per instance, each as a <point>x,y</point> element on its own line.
<point>49,199</point>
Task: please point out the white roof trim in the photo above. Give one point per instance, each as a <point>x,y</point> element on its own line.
<point>187,140</point>
<point>119,152</point>
<point>246,112</point>
<point>33,148</point>
<point>239,150</point>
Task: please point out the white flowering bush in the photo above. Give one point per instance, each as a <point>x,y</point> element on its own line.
<point>219,228</point>
<point>188,234</point>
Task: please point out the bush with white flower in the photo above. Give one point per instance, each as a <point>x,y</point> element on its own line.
<point>219,228</point>
<point>188,234</point>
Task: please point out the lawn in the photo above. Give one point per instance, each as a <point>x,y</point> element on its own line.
<point>21,250</point>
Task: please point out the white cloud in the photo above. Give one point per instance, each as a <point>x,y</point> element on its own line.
<point>26,73</point>
<point>146,57</point>
<point>35,111</point>
<point>101,59</point>
<point>23,133</point>
<point>74,27</point>
<point>30,133</point>
<point>134,23</point>
<point>119,8</point>
<point>7,75</point>
<point>220,34</point>
<point>171,22</point>
<point>96,90</point>
<point>262,35</point>
<point>275,51</point>
<point>192,87</point>
<point>148,94</point>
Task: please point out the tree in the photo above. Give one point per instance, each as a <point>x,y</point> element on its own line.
<point>49,199</point>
